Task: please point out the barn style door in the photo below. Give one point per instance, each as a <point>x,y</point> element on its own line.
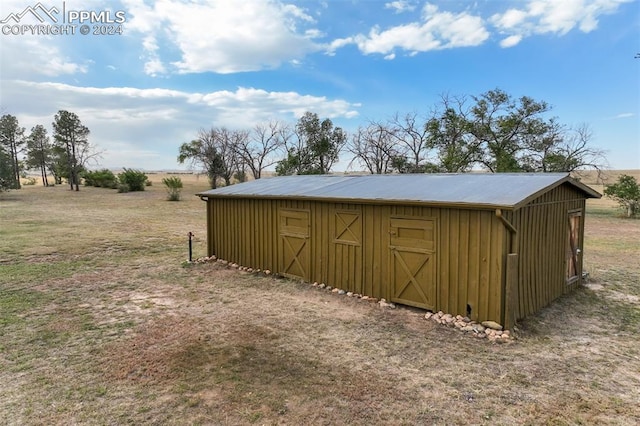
<point>412,246</point>
<point>294,243</point>
<point>573,261</point>
<point>345,263</point>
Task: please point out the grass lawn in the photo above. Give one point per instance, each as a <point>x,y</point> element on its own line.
<point>101,323</point>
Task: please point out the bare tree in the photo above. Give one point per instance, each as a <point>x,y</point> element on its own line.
<point>228,143</point>
<point>258,150</point>
<point>573,152</point>
<point>558,148</point>
<point>373,147</point>
<point>412,136</point>
<point>216,151</point>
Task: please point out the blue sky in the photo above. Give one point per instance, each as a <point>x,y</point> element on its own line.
<point>180,66</point>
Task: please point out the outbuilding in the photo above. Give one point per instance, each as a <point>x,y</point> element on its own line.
<point>490,246</point>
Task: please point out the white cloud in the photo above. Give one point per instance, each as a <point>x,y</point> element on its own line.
<point>36,55</point>
<point>144,127</point>
<point>400,6</point>
<point>338,44</point>
<point>551,17</point>
<point>625,115</point>
<point>154,66</point>
<point>511,18</point>
<point>222,36</point>
<point>511,41</point>
<point>437,30</point>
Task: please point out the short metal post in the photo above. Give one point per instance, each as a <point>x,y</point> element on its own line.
<point>190,235</point>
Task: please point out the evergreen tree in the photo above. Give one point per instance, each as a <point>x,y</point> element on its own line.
<point>39,152</point>
<point>71,140</point>
<point>12,141</point>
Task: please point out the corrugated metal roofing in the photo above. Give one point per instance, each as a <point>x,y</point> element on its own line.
<point>508,190</point>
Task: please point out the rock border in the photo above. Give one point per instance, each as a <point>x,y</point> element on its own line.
<point>489,330</point>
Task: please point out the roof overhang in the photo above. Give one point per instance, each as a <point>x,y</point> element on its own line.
<point>474,206</point>
<point>589,192</point>
<point>461,191</point>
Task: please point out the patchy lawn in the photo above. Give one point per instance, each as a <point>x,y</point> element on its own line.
<point>101,324</point>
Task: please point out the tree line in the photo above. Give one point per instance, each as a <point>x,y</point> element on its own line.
<point>493,131</point>
<point>310,147</point>
<point>65,157</point>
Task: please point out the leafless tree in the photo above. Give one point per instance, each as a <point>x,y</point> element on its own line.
<point>259,150</point>
<point>216,151</point>
<point>228,142</point>
<point>373,147</point>
<point>412,137</point>
<point>576,152</point>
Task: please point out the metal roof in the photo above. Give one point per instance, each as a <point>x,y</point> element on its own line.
<point>488,190</point>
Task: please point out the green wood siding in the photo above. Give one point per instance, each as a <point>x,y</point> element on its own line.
<point>542,242</point>
<point>468,252</point>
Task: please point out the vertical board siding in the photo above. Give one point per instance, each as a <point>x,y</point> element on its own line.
<point>462,271</point>
<point>497,268</point>
<point>511,283</point>
<point>484,292</point>
<point>542,226</point>
<point>470,249</point>
<point>473,280</point>
<point>446,272</point>
<point>344,244</point>
<point>244,231</point>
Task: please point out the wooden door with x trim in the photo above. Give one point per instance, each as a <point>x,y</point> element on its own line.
<point>574,247</point>
<point>413,260</point>
<point>294,243</point>
<point>346,262</point>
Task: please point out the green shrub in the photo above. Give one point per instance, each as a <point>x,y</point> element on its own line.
<point>123,187</point>
<point>174,186</point>
<point>88,178</point>
<point>626,192</point>
<point>100,178</point>
<point>135,179</point>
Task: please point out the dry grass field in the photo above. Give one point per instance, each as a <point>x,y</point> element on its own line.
<point>101,323</point>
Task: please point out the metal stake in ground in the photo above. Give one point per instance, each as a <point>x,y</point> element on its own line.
<point>190,235</point>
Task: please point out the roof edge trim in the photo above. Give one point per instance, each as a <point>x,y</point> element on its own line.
<point>590,192</point>
<point>458,205</point>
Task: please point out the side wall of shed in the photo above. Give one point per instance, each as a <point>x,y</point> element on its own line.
<point>470,248</point>
<point>543,227</point>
